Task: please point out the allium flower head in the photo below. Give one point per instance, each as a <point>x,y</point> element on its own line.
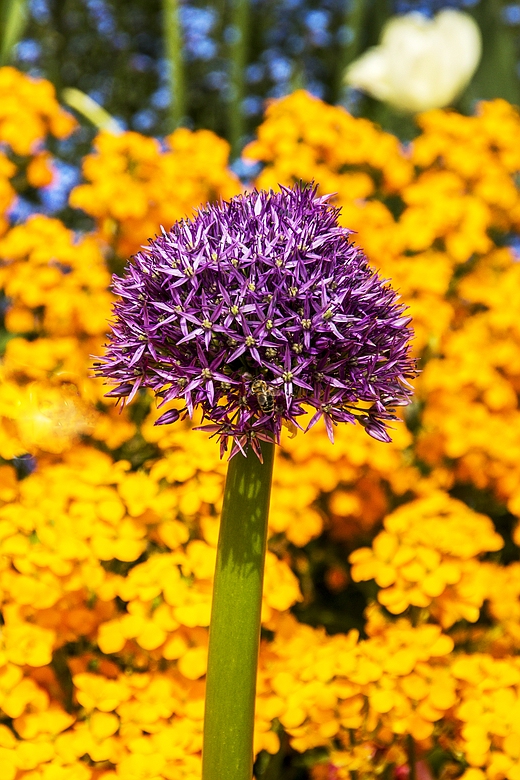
<point>257,311</point>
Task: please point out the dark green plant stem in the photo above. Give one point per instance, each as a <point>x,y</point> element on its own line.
<point>13,20</point>
<point>173,51</point>
<point>352,740</point>
<point>497,74</point>
<point>234,635</point>
<point>273,764</point>
<point>62,671</point>
<point>412,757</point>
<point>353,24</point>
<point>237,61</point>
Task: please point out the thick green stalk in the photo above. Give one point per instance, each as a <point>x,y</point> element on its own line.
<point>234,634</point>
<point>173,51</point>
<point>237,62</point>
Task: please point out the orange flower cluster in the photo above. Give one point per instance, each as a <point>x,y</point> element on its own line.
<point>427,556</point>
<point>135,185</point>
<point>29,112</point>
<point>108,525</point>
<point>387,685</point>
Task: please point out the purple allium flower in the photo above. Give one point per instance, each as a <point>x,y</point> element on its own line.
<point>257,310</point>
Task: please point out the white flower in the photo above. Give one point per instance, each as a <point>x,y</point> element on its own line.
<point>420,63</point>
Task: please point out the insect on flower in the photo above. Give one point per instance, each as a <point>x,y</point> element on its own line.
<point>263,296</point>
<point>265,395</point>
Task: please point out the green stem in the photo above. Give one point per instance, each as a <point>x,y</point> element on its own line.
<point>354,22</point>
<point>412,758</point>
<point>238,61</point>
<point>352,740</point>
<point>13,20</point>
<point>234,635</point>
<point>91,110</point>
<point>173,51</point>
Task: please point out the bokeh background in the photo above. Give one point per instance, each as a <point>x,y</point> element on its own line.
<point>391,614</point>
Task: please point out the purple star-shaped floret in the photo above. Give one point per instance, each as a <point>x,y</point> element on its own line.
<point>256,310</point>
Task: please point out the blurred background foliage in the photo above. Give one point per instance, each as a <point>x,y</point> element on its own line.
<point>234,55</point>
